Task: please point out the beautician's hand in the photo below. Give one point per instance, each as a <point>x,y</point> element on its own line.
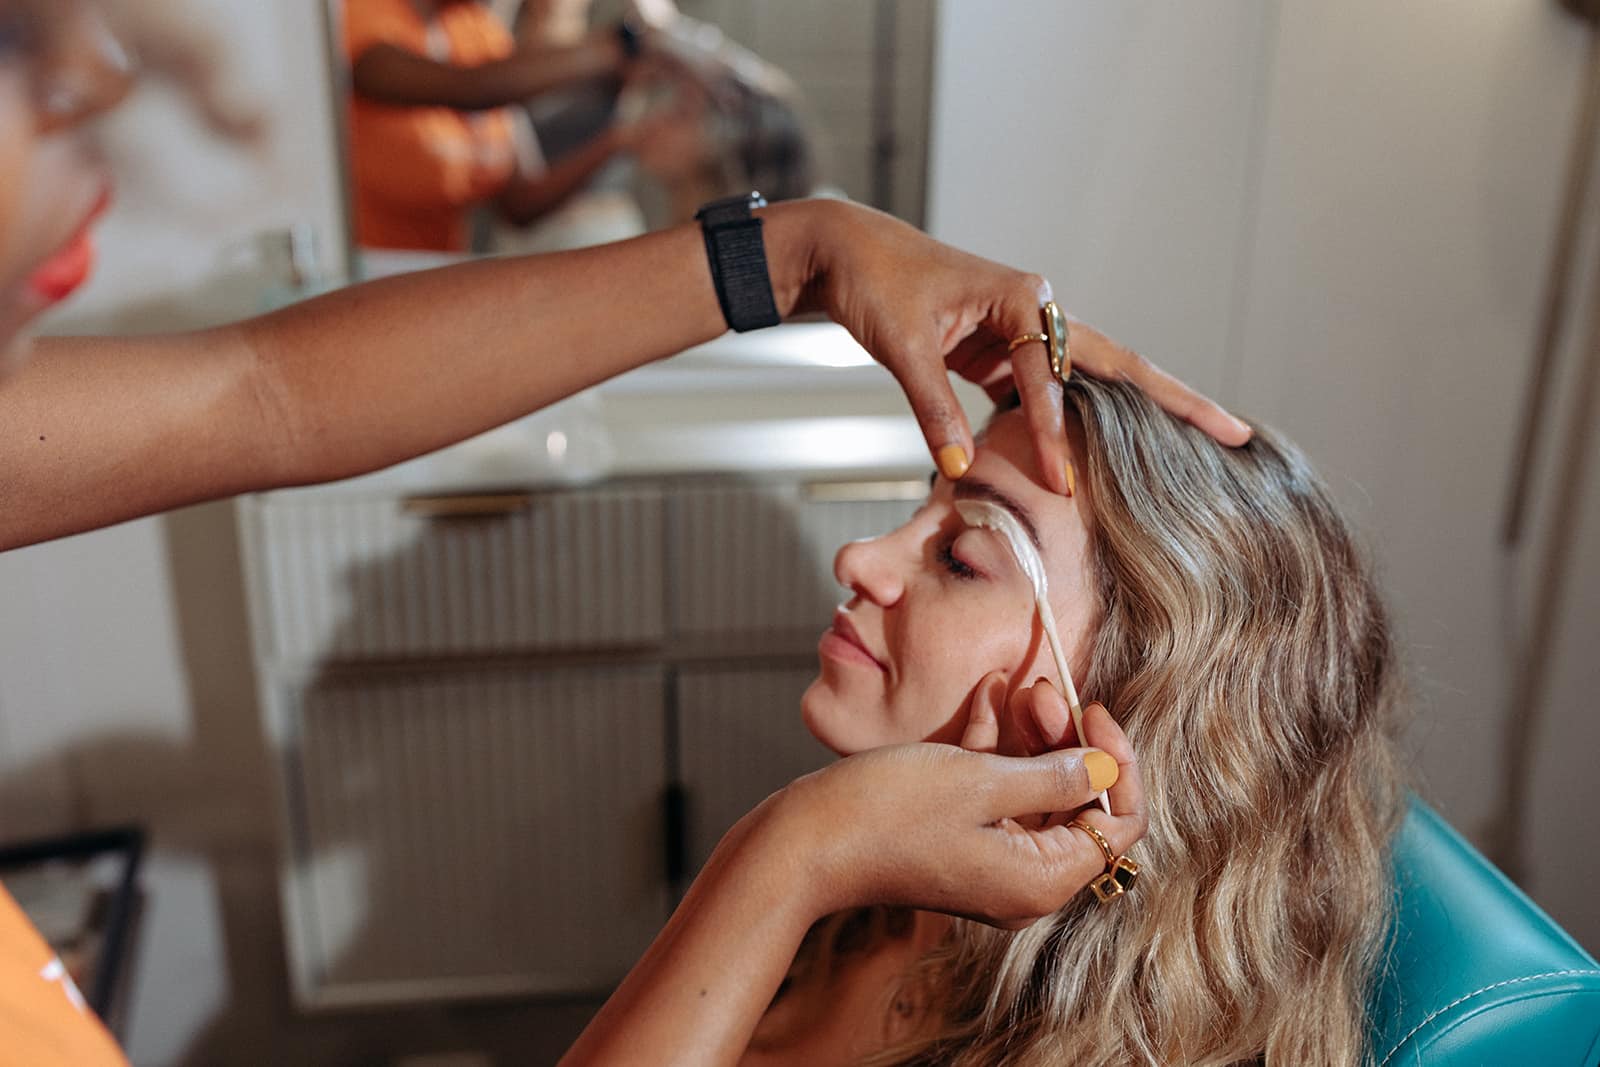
<point>1025,721</point>
<point>923,309</point>
<point>926,826</point>
<point>932,826</point>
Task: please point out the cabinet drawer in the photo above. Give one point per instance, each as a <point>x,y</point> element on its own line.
<point>462,834</point>
<point>761,558</point>
<point>345,579</point>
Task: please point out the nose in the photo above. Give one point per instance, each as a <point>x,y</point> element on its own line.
<point>87,69</point>
<point>866,568</point>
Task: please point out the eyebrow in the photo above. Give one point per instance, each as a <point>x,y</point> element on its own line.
<point>970,489</point>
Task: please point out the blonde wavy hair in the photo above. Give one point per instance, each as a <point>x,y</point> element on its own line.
<point>1243,646</point>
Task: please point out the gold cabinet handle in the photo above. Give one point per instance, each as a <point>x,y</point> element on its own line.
<point>467,505</point>
<point>863,492</point>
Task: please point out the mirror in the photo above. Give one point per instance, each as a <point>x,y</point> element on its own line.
<point>640,111</point>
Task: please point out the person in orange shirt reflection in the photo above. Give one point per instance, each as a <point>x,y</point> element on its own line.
<point>432,136</point>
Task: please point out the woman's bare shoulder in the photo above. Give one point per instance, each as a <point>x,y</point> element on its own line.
<point>862,1008</point>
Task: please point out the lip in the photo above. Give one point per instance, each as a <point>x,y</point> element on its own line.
<point>842,641</point>
<point>70,266</point>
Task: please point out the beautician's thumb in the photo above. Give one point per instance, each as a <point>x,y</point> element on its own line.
<point>944,424</point>
<point>1054,781</point>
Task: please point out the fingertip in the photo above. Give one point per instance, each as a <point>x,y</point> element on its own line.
<point>1103,732</point>
<point>1102,768</point>
<point>954,461</point>
<point>1053,463</point>
<point>1051,714</point>
<point>1226,428</point>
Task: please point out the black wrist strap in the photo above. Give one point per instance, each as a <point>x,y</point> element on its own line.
<point>738,256</point>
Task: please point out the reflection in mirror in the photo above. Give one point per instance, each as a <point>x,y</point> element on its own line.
<point>534,125</point>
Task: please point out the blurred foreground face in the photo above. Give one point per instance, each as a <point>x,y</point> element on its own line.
<point>60,65</point>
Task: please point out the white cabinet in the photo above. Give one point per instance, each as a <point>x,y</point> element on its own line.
<point>385,576</point>
<point>484,831</point>
<point>508,722</point>
<point>739,738</point>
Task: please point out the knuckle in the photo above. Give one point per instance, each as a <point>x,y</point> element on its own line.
<point>1035,286</point>
<point>1141,825</point>
<point>1071,780</point>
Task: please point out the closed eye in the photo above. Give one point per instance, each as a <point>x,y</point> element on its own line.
<point>947,559</point>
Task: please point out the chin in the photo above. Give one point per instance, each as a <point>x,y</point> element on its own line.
<point>826,718</point>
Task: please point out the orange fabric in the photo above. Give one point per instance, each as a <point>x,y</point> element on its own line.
<point>43,1020</point>
<point>417,170</point>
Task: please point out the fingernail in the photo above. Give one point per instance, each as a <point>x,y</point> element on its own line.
<point>953,462</point>
<point>1102,768</point>
<point>1072,480</point>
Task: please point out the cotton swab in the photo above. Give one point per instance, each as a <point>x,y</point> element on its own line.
<point>988,515</point>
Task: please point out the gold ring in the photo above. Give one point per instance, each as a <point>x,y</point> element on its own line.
<point>1055,327</point>
<point>1099,839</point>
<point>1121,872</point>
<point>1027,339</point>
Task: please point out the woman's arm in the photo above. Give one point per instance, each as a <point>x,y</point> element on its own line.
<point>929,826</point>
<point>387,74</point>
<point>95,431</point>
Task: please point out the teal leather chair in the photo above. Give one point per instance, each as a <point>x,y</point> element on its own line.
<point>1477,974</point>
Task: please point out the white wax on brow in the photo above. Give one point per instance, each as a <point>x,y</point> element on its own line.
<point>987,515</point>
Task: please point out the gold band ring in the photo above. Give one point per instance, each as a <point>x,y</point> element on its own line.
<point>1027,339</point>
<point>1121,873</point>
<point>1098,838</point>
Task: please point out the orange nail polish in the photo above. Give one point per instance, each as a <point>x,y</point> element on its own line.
<point>953,461</point>
<point>1102,768</point>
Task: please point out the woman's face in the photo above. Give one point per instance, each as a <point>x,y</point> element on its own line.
<point>936,606</point>
<point>59,66</point>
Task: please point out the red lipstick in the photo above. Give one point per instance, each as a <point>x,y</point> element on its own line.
<point>69,268</point>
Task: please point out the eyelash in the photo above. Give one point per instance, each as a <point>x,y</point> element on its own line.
<point>956,568</point>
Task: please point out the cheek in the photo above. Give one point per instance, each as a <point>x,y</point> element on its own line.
<point>948,652</point>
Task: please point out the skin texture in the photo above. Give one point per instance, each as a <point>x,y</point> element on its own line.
<point>943,607</point>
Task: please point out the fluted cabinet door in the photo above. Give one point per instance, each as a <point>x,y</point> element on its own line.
<point>759,559</point>
<point>741,738</point>
<point>465,834</point>
<point>360,577</point>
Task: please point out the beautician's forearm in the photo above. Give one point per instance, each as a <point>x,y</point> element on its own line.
<point>698,993</point>
<point>95,431</point>
<point>528,199</point>
<point>390,75</point>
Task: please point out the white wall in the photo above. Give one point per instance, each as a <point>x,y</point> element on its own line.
<point>1336,217</point>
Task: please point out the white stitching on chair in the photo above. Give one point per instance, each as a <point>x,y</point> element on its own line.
<point>1478,992</point>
